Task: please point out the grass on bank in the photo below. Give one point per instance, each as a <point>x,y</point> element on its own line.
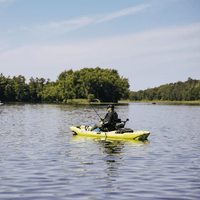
<point>81,101</point>
<point>86,101</point>
<point>197,102</point>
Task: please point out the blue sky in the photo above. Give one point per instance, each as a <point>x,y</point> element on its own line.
<point>150,42</point>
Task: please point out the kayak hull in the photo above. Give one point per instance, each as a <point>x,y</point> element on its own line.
<point>135,135</point>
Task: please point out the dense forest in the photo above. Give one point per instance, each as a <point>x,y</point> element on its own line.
<point>89,83</point>
<point>180,91</point>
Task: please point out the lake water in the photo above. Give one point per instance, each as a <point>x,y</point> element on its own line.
<point>41,159</point>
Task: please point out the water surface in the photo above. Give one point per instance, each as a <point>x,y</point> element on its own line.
<point>41,159</point>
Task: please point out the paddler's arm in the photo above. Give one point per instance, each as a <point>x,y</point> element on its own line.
<point>108,118</point>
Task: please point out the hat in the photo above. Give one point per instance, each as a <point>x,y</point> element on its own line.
<point>110,106</point>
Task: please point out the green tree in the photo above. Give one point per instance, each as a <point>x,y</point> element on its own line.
<point>10,94</point>
<point>188,90</point>
<point>50,92</point>
<point>105,84</point>
<point>3,83</point>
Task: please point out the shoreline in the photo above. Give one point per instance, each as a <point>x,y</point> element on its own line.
<point>121,102</point>
<point>197,102</point>
<point>73,102</point>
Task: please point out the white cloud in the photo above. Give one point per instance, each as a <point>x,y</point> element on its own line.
<point>165,48</point>
<point>124,12</point>
<point>153,42</point>
<point>7,1</point>
<point>3,46</point>
<point>53,28</point>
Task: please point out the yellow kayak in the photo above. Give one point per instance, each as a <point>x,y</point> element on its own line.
<point>117,134</point>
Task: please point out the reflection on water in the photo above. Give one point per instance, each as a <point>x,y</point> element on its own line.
<point>41,159</point>
<point>109,146</point>
<point>112,147</point>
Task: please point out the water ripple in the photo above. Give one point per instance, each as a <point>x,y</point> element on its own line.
<point>40,159</point>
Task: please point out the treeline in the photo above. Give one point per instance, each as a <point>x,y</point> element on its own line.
<point>94,83</point>
<point>180,91</point>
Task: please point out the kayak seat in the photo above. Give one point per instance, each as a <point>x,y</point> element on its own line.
<point>119,124</point>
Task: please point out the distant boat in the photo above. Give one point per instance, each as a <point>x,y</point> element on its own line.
<point>1,103</point>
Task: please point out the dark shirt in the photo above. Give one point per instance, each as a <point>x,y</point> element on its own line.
<point>110,119</point>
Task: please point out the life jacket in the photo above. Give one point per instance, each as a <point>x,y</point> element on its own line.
<point>110,120</point>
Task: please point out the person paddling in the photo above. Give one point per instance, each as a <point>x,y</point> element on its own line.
<point>109,121</point>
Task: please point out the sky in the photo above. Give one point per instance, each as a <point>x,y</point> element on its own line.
<point>150,42</point>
